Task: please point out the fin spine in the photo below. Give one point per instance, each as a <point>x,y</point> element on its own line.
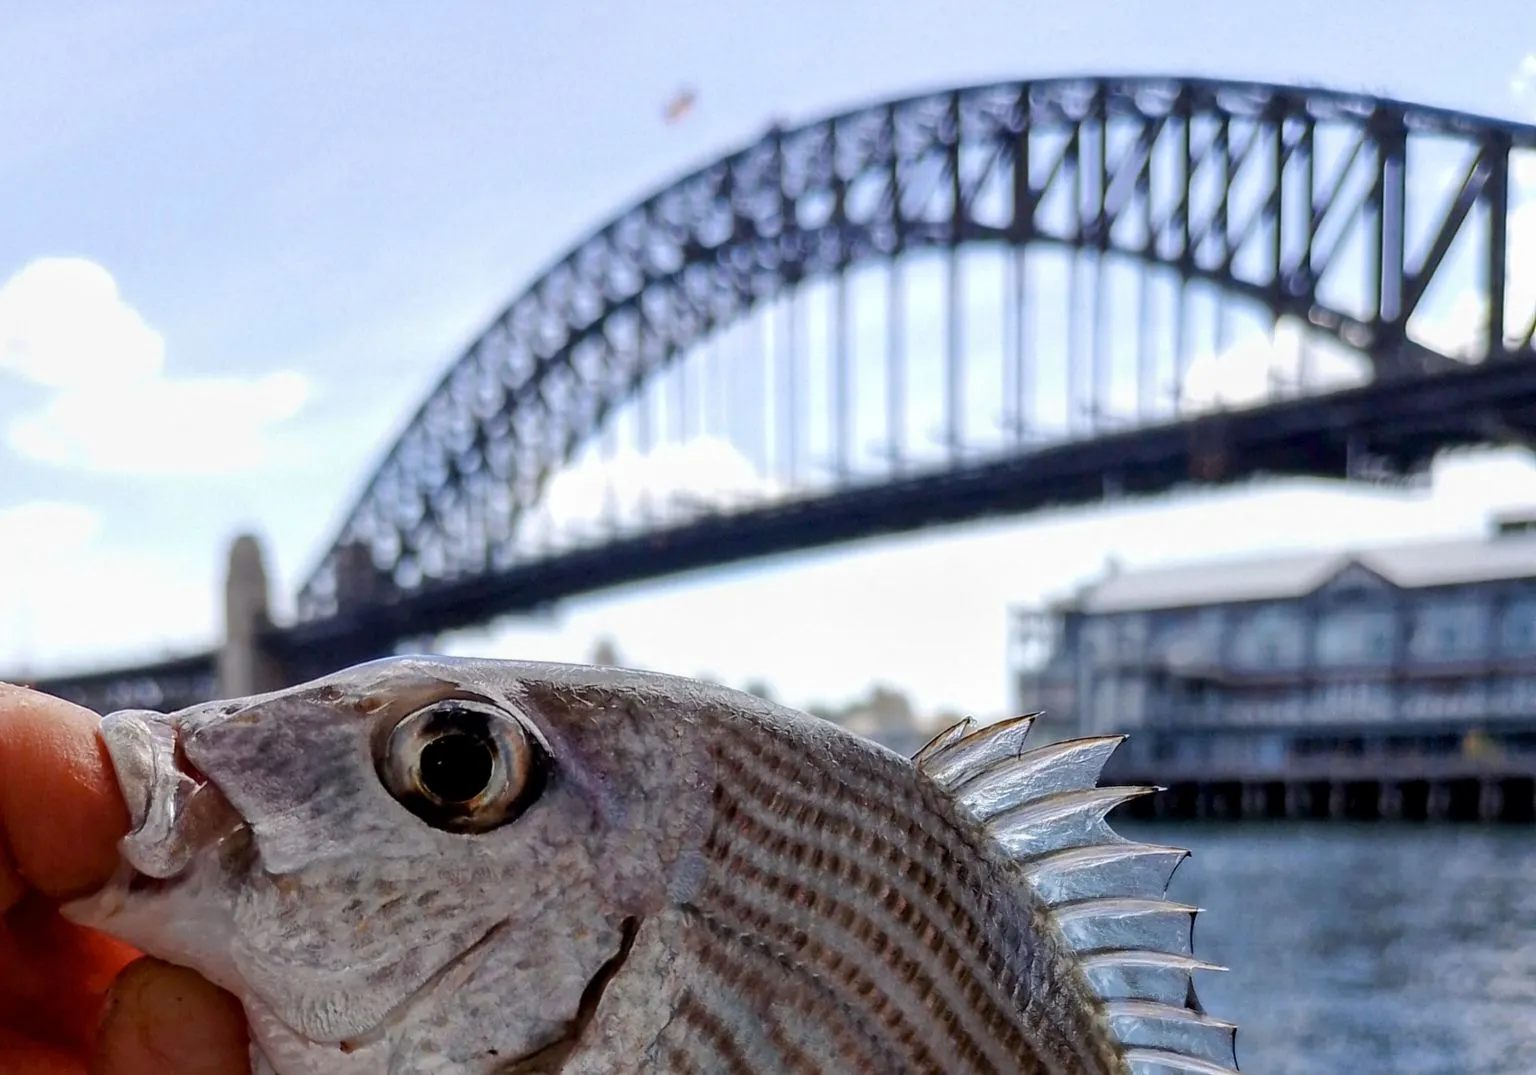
<point>1144,1060</point>
<point>1047,816</point>
<point>942,741</point>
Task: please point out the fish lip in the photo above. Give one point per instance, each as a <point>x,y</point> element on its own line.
<point>171,893</point>
<point>165,795</point>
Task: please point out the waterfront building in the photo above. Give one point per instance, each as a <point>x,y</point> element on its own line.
<point>1405,664</point>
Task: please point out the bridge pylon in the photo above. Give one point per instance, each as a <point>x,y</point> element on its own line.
<point>244,665</point>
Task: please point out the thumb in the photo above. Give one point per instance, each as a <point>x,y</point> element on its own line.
<point>166,1020</point>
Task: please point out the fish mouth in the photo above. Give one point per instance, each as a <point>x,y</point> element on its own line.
<point>174,811</point>
<point>182,830</point>
<point>171,895</point>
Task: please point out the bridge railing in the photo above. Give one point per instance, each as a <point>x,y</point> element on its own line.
<point>163,685</point>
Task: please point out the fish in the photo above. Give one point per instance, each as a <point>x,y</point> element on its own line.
<point>432,865</point>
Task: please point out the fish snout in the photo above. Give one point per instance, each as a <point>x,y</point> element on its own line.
<point>173,810</point>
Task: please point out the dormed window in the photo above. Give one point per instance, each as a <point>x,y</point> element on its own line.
<point>1357,635</point>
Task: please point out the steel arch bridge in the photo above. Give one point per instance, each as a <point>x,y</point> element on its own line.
<point>1077,254</point>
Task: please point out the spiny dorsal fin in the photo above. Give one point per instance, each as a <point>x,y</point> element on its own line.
<point>1047,815</point>
<point>943,741</point>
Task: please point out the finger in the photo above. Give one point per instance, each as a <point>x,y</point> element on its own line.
<point>61,813</point>
<point>54,975</point>
<point>11,885</point>
<point>22,1056</point>
<point>166,1020</point>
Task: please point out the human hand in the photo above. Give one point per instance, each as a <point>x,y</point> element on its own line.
<point>73,1001</point>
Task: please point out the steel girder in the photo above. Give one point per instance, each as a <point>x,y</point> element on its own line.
<point>1379,432</point>
<point>1145,165</point>
<point>162,685</point>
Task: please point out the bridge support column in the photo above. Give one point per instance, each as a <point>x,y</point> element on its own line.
<point>243,667</point>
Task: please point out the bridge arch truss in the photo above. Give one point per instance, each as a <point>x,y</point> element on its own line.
<point>1143,169</point>
<point>1271,194</point>
<point>1403,236</point>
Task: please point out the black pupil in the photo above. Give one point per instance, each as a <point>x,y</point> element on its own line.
<point>456,767</point>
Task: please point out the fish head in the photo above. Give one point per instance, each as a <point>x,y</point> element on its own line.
<point>345,855</point>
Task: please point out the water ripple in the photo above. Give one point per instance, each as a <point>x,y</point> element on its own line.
<point>1370,949</point>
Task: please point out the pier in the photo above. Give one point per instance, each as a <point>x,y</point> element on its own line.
<point>1438,790</point>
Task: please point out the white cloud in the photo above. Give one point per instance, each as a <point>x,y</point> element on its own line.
<point>1522,169</point>
<point>1263,366</point>
<point>64,326</point>
<point>698,474</point>
<point>43,528</point>
<point>71,597</point>
<point>200,426</point>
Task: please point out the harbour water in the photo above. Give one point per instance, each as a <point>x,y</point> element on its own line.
<point>1369,949</point>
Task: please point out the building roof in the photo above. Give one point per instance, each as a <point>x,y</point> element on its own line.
<point>1439,563</point>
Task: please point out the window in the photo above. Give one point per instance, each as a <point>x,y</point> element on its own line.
<point>1357,636</point>
<point>1272,637</point>
<point>1133,634</point>
<point>1098,640</point>
<point>1191,639</point>
<point>1517,630</point>
<point>1449,629</point>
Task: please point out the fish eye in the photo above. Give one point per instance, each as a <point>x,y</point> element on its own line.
<point>462,766</point>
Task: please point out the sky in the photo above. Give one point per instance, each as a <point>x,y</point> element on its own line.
<point>242,241</point>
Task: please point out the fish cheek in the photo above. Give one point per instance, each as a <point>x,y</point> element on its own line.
<point>524,986</point>
<point>506,925</point>
<point>333,948</point>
